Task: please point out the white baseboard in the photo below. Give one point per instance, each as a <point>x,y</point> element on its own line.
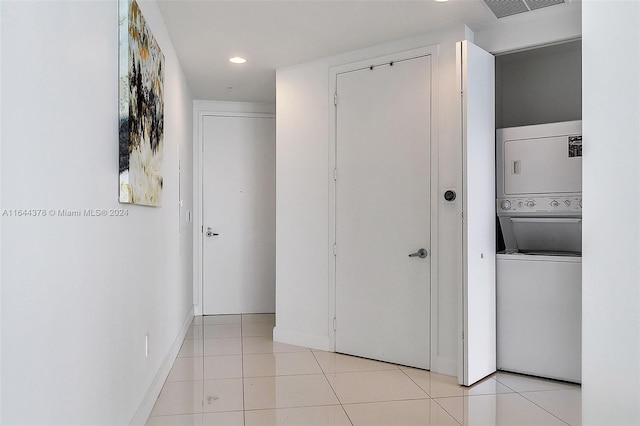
<point>144,410</point>
<point>292,337</point>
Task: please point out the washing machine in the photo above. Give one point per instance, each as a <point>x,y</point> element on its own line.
<point>539,274</point>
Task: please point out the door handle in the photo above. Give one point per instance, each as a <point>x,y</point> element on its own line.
<point>422,253</point>
<point>210,233</point>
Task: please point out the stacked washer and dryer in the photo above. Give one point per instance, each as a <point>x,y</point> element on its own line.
<point>539,278</point>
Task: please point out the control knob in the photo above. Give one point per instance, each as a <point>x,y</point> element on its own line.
<point>505,205</point>
<point>567,203</point>
<point>531,203</point>
<point>554,203</point>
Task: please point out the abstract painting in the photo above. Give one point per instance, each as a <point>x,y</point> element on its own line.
<point>141,115</point>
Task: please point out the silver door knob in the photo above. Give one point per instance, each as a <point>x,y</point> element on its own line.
<point>210,233</point>
<point>422,253</point>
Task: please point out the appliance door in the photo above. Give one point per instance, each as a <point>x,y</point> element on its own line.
<point>539,315</point>
<point>528,234</point>
<point>542,165</point>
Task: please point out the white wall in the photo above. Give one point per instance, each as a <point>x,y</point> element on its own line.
<point>539,86</point>
<point>302,178</point>
<point>79,294</point>
<point>525,30</point>
<point>611,227</point>
<point>1,20</point>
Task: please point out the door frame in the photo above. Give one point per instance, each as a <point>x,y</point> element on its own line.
<point>202,109</point>
<point>431,51</point>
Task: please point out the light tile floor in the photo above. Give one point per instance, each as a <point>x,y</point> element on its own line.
<point>230,372</point>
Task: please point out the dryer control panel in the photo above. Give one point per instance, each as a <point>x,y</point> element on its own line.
<point>555,205</point>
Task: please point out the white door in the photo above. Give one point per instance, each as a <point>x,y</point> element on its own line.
<point>238,197</point>
<point>383,212</point>
<point>478,296</point>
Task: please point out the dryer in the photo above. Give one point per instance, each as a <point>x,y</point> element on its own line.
<point>539,291</point>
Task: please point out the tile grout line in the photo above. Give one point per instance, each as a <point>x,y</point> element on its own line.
<point>429,396</point>
<point>415,383</point>
<point>387,400</point>
<point>332,389</point>
<point>537,405</point>
<point>180,381</point>
<point>283,375</point>
<point>202,400</point>
<point>564,385</point>
<point>434,399</point>
<point>244,409</point>
<point>437,400</point>
<point>505,385</point>
<point>544,390</point>
<point>397,367</point>
<point>445,410</point>
<point>164,384</point>
<point>241,362</point>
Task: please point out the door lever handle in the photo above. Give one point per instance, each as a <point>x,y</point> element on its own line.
<point>422,253</point>
<point>210,233</point>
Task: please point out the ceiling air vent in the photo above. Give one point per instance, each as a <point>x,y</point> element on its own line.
<point>502,8</point>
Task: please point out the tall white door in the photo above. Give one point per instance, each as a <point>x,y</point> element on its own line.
<point>383,212</point>
<point>478,295</point>
<point>238,197</point>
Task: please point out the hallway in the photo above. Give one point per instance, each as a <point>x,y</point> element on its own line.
<point>230,372</point>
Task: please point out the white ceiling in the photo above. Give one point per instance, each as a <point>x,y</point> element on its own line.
<point>275,34</point>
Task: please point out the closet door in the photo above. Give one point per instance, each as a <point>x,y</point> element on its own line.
<point>478,294</point>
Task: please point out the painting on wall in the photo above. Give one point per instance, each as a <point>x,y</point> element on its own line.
<point>141,109</point>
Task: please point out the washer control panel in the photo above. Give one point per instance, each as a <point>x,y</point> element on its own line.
<point>568,204</point>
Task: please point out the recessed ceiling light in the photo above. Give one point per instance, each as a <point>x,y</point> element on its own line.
<point>440,1</point>
<point>237,60</point>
